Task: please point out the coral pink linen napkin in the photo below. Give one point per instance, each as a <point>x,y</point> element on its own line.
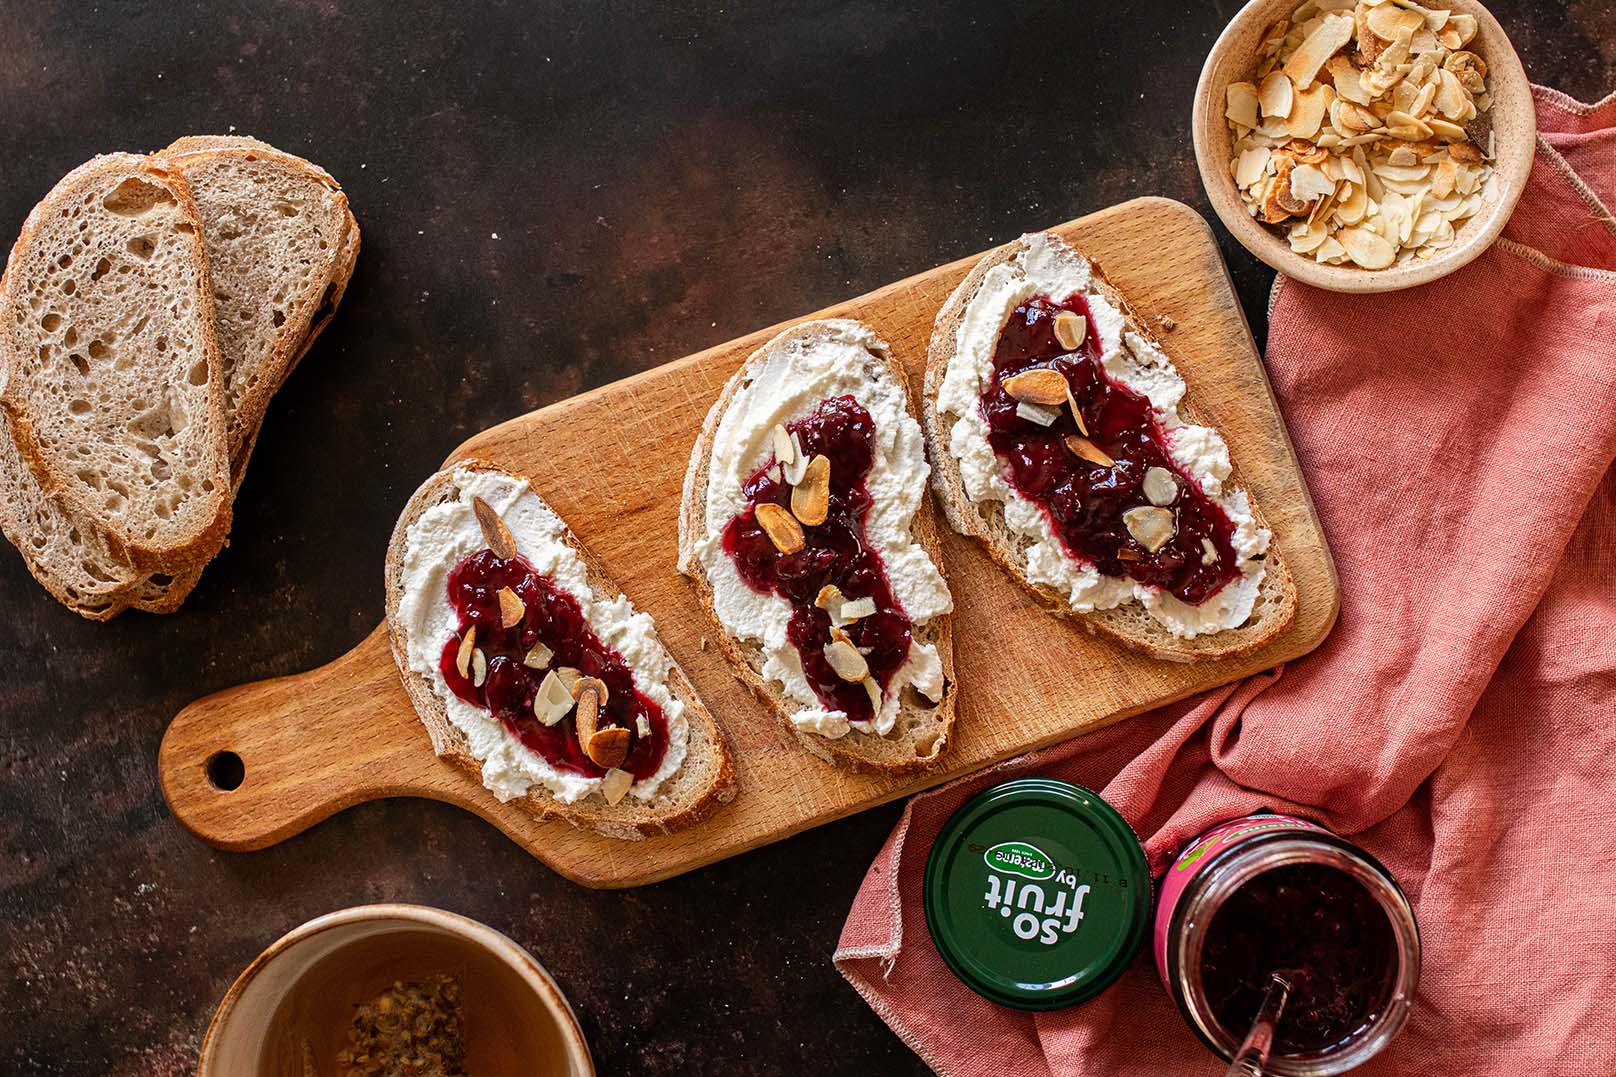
<point>1460,721</point>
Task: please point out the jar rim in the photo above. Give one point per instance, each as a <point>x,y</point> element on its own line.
<point>1240,865</point>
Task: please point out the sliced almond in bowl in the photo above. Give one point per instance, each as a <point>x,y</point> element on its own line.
<point>1276,95</point>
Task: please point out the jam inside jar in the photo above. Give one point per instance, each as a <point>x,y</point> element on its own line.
<point>1270,893</point>
<point>1324,933</point>
<point>554,618</point>
<point>1085,501</point>
<point>836,552</point>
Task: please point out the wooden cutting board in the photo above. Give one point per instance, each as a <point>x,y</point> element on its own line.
<point>612,461</point>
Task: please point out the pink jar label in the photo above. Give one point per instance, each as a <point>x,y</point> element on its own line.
<point>1201,852</point>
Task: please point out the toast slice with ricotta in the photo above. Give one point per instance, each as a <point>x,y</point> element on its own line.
<point>533,673</point>
<point>1064,440</point>
<point>281,245</point>
<point>807,533</point>
<point>112,378</point>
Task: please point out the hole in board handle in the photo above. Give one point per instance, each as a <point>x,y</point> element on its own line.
<point>225,771</point>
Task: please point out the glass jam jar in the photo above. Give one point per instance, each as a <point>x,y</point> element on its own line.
<point>1270,893</point>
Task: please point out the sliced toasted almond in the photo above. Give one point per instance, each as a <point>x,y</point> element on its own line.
<point>1077,412</point>
<point>511,608</point>
<point>858,609</point>
<point>1394,23</point>
<point>1128,553</point>
<point>1312,105</point>
<point>1308,182</point>
<point>784,450</point>
<point>1040,386</point>
<point>873,690</point>
<point>845,659</point>
<point>1328,38</point>
<point>1465,25</point>
<point>1240,104</point>
<point>589,701</point>
<point>830,597</point>
<point>810,498</point>
<point>615,784</point>
<point>1037,413</point>
<point>581,684</point>
<point>569,678</point>
<point>1276,95</point>
<point>1151,526</point>
<point>1346,79</point>
<point>1368,249</point>
<point>781,527</point>
<point>609,747</point>
<point>1209,552</point>
<point>552,702</point>
<point>538,657</point>
<point>1251,165</point>
<point>799,462</point>
<point>495,533</point>
<point>468,643</point>
<point>1082,446</point>
<point>1160,486</point>
<point>479,668</point>
<point>1070,329</point>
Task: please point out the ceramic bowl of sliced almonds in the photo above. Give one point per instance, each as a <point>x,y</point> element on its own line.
<point>1364,145</point>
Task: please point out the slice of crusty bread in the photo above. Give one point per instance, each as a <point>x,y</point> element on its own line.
<point>921,734</point>
<point>112,372</point>
<point>1129,623</point>
<point>243,188</point>
<point>703,782</point>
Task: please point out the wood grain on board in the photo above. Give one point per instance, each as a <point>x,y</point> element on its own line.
<point>612,461</point>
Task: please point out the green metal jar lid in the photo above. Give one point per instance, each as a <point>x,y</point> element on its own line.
<point>1037,894</point>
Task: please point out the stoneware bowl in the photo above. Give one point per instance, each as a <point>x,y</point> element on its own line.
<point>1233,59</point>
<point>288,1015</point>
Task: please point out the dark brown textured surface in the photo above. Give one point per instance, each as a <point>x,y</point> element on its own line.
<point>660,177</point>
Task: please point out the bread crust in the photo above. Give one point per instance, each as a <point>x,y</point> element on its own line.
<point>855,750</point>
<point>975,520</point>
<point>627,820</point>
<point>123,548</point>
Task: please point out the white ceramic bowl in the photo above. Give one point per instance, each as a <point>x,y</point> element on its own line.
<point>296,1000</point>
<point>1233,59</point>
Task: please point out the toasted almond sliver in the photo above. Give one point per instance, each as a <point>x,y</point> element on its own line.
<point>589,700</point>
<point>468,643</point>
<point>873,690</point>
<point>1240,104</point>
<point>495,533</point>
<point>552,701</point>
<point>1127,553</point>
<point>1039,386</point>
<point>582,684</point>
<point>845,659</point>
<point>1081,446</point>
<point>1327,39</point>
<point>1209,552</point>
<point>1366,248</point>
<point>1077,412</point>
<point>1276,95</point>
<point>785,450</point>
<point>609,747</point>
<point>1070,329</point>
<point>1151,526</point>
<point>810,498</point>
<point>538,657</point>
<point>479,668</point>
<point>799,462</point>
<point>781,527</point>
<point>858,609</point>
<point>615,785</point>
<point>830,597</point>
<point>1037,413</point>
<point>1160,486</point>
<point>511,608</point>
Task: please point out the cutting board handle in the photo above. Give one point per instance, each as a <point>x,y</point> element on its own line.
<point>252,765</point>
